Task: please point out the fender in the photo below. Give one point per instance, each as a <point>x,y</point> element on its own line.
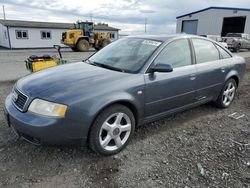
<point>121,97</point>
<point>231,74</point>
<point>79,38</point>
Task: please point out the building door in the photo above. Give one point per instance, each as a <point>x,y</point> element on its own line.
<point>190,26</point>
<point>233,25</point>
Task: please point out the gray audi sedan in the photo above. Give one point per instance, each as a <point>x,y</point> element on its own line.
<point>133,81</point>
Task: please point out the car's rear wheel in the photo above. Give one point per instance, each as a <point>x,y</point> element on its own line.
<point>237,48</point>
<point>112,130</point>
<point>227,94</point>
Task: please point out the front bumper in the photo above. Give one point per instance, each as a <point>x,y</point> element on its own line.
<point>44,130</point>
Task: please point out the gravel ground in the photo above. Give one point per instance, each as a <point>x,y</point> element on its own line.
<point>202,147</point>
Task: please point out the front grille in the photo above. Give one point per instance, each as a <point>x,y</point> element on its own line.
<point>19,99</point>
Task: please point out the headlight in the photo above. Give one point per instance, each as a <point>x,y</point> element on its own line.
<point>46,108</point>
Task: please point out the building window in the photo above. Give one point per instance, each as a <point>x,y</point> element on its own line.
<point>45,34</point>
<point>22,34</point>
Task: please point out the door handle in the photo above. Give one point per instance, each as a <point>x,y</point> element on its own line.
<point>192,76</point>
<point>223,69</point>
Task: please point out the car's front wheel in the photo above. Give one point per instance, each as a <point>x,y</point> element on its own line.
<point>112,130</point>
<point>227,94</point>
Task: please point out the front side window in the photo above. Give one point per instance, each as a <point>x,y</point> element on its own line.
<point>21,34</point>
<point>128,54</point>
<point>205,51</point>
<point>177,53</point>
<point>45,34</point>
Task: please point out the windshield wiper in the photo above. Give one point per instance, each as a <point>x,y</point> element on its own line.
<point>105,66</point>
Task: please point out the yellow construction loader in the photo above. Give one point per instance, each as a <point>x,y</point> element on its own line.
<point>82,37</point>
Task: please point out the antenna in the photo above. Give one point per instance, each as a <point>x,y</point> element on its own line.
<point>4,17</point>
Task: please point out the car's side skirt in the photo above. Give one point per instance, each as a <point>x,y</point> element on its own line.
<point>180,109</point>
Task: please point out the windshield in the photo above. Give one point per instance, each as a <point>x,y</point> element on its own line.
<point>126,55</point>
<point>233,35</point>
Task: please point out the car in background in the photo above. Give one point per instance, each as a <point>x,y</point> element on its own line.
<point>216,38</point>
<point>131,82</point>
<point>237,41</point>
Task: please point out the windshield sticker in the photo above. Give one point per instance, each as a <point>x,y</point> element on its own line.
<point>151,42</point>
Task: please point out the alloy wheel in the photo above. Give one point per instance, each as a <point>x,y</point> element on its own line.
<point>228,94</point>
<point>115,131</point>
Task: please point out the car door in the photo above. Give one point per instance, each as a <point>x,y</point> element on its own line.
<point>211,69</point>
<point>170,91</point>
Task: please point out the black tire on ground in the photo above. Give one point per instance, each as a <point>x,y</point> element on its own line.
<point>97,48</point>
<point>74,49</point>
<point>96,129</point>
<point>237,48</point>
<point>219,102</point>
<point>82,45</point>
<point>105,42</point>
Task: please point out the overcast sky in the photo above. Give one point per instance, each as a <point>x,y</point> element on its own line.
<point>127,15</point>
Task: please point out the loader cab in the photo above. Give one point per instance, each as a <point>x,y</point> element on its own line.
<point>87,27</point>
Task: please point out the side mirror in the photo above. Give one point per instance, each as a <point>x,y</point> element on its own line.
<point>162,68</point>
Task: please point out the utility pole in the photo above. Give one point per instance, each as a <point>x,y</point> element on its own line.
<point>146,20</point>
<point>4,17</point>
<point>91,17</point>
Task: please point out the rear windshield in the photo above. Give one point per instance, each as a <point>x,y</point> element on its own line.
<point>233,35</point>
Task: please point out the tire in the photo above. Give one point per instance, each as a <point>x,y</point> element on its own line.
<point>97,48</point>
<point>112,130</point>
<point>237,48</point>
<point>105,42</point>
<point>227,94</point>
<point>82,45</point>
<point>74,49</point>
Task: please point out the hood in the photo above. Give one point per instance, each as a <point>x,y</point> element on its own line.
<point>71,79</point>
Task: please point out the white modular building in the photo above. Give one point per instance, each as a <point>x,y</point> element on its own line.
<point>16,34</point>
<point>215,21</point>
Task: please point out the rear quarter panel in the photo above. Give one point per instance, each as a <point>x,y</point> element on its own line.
<point>238,68</point>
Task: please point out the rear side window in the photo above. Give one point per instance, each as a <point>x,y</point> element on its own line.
<point>205,51</point>
<point>224,54</point>
<point>177,53</point>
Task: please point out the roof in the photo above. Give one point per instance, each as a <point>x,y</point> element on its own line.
<point>104,27</point>
<point>220,8</point>
<point>34,24</point>
<point>52,25</point>
<point>162,37</point>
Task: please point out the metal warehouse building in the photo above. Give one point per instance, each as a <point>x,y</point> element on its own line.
<point>215,21</point>
<point>16,34</point>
